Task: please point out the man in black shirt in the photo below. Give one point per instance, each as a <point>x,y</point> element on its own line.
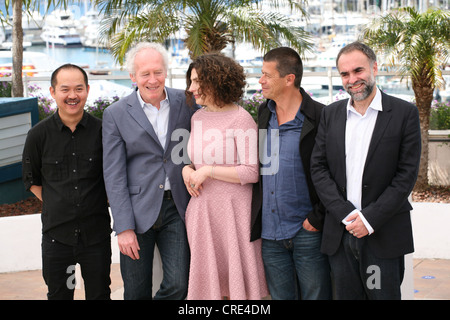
<point>62,166</point>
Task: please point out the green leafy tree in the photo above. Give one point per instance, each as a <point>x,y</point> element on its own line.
<point>209,24</point>
<point>418,44</point>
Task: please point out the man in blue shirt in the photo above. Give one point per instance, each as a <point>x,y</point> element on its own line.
<point>287,213</point>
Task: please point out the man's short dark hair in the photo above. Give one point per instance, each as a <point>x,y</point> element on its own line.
<point>67,66</point>
<point>288,62</point>
<point>358,46</point>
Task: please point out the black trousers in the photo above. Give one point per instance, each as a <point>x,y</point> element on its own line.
<point>58,268</point>
<point>359,275</point>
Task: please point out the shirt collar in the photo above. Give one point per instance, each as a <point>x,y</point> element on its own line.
<point>61,125</point>
<point>271,105</point>
<point>143,103</point>
<point>375,104</point>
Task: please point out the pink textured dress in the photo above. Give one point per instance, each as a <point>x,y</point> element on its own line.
<point>223,260</point>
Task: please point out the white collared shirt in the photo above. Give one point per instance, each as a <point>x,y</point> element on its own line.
<point>358,134</point>
<point>159,120</point>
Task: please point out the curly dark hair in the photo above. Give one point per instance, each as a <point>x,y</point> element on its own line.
<point>219,76</point>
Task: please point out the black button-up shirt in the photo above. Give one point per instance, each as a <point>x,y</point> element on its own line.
<point>68,166</point>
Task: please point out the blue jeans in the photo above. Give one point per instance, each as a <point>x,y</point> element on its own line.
<point>296,269</point>
<point>359,275</point>
<point>169,234</point>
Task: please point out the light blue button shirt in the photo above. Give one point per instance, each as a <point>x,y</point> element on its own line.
<point>159,120</point>
<point>286,199</point>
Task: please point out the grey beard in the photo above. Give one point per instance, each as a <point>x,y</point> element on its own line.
<point>368,88</point>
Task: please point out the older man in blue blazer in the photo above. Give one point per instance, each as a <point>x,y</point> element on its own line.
<point>364,166</point>
<point>144,184</point>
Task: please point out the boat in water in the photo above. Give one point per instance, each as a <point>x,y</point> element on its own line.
<point>89,29</point>
<point>60,36</point>
<point>60,29</point>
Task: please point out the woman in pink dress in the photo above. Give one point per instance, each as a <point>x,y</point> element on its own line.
<point>223,151</point>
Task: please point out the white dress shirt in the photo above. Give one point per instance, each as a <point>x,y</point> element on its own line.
<point>358,134</point>
<point>159,119</point>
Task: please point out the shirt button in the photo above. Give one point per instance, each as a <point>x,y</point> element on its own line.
<point>161,186</point>
<point>76,188</point>
<point>74,170</point>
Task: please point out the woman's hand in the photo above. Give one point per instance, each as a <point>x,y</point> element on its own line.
<point>196,179</point>
<point>186,173</point>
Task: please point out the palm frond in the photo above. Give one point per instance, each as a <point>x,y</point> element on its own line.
<point>417,44</point>
<point>266,30</point>
<point>145,26</point>
<point>195,40</point>
<point>210,24</point>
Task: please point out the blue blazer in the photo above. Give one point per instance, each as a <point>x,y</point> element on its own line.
<point>389,176</point>
<point>135,164</point>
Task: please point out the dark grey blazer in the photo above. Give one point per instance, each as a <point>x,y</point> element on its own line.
<point>389,176</point>
<point>135,164</point>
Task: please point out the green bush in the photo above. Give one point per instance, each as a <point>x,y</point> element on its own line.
<point>251,104</point>
<point>440,115</point>
<point>100,105</point>
<point>5,89</point>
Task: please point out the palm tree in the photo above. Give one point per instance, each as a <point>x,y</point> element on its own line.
<point>419,44</point>
<point>18,8</point>
<point>209,24</point>
<point>17,50</point>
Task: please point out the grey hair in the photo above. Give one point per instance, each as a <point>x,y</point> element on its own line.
<point>131,54</point>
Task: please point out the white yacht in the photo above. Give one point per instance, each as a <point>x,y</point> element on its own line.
<point>60,36</point>
<point>60,29</point>
<point>91,37</point>
<point>89,29</point>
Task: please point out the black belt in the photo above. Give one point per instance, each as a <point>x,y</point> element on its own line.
<point>168,194</point>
